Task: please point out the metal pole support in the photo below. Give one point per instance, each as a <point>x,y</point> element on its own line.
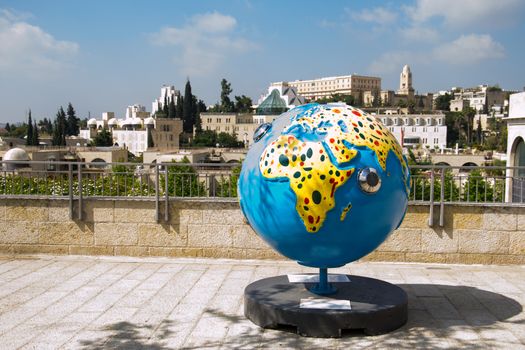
<point>431,213</point>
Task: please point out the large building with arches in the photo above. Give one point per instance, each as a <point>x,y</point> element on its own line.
<point>515,189</point>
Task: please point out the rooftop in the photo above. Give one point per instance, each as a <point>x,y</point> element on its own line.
<point>77,302</point>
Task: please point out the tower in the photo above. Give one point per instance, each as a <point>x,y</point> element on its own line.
<point>405,82</point>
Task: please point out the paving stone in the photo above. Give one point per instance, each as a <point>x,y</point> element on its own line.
<point>136,303</point>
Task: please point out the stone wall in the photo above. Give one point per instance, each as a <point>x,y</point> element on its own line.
<point>472,234</point>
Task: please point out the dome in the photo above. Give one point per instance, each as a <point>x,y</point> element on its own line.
<point>149,121</point>
<point>92,122</point>
<point>112,122</point>
<point>126,122</point>
<point>16,154</point>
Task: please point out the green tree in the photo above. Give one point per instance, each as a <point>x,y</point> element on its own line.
<point>29,136</point>
<point>165,106</point>
<point>178,108</point>
<point>183,180</point>
<point>227,185</point>
<point>200,108</point>
<point>477,189</point>
<point>7,127</point>
<point>72,127</point>
<point>206,138</point>
<point>243,104</point>
<point>226,104</point>
<point>442,102</point>
<point>421,104</point>
<point>59,128</point>
<point>46,126</point>
<point>172,110</point>
<point>103,139</point>
<point>228,140</point>
<point>401,103</point>
<point>36,137</point>
<point>469,114</point>
<point>187,112</point>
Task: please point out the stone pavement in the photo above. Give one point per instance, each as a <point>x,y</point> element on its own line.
<point>75,302</point>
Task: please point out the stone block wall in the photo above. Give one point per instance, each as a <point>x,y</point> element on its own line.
<point>472,234</point>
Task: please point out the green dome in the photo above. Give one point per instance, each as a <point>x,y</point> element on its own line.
<point>273,104</point>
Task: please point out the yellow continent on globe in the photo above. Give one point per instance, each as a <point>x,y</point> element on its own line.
<point>314,168</point>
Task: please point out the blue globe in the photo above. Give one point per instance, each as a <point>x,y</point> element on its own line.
<point>324,184</point>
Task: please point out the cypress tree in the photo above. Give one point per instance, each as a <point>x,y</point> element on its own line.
<point>187,113</point>
<point>72,127</point>
<point>198,124</point>
<point>36,138</point>
<point>172,112</point>
<point>165,107</point>
<point>7,127</point>
<point>179,107</point>
<point>59,132</point>
<point>29,137</point>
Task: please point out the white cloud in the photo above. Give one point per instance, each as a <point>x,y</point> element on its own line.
<point>204,43</point>
<point>419,33</point>
<point>29,49</point>
<point>467,12</point>
<point>470,48</point>
<point>378,15</point>
<point>467,49</point>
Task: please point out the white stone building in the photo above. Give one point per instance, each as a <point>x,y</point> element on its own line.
<point>413,130</point>
<point>313,89</point>
<point>515,186</point>
<point>481,98</point>
<point>167,94</point>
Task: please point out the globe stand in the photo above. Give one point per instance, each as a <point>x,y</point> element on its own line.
<point>320,310</point>
<point>323,287</point>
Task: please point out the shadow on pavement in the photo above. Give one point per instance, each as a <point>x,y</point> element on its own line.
<point>439,316</point>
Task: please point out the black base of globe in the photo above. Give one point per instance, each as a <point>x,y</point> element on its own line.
<point>375,307</point>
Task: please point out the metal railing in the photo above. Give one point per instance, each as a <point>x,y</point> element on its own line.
<point>466,185</point>
<point>76,181</point>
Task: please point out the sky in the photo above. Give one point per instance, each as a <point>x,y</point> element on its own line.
<point>105,55</point>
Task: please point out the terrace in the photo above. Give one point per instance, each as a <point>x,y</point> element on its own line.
<point>111,256</point>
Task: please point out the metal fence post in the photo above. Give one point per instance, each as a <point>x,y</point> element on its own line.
<point>70,179</point>
<point>442,199</point>
<point>431,214</point>
<point>79,191</point>
<point>166,195</point>
<point>157,216</point>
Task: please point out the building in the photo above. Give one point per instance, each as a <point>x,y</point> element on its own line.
<point>137,130</point>
<point>482,98</point>
<point>355,85</point>
<point>165,133</point>
<point>417,130</point>
<point>241,125</point>
<point>515,186</point>
<point>167,94</point>
<point>405,97</point>
<point>136,111</point>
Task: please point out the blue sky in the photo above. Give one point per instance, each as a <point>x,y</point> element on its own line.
<point>105,55</point>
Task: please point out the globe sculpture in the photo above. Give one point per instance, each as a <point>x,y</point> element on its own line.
<point>324,184</point>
